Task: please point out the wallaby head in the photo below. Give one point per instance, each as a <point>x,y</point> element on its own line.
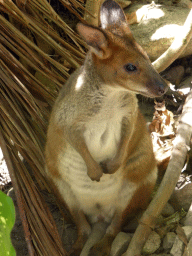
<point>118,58</point>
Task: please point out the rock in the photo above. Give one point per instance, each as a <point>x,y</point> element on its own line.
<point>169,240</point>
<point>186,85</point>
<point>167,210</point>
<point>188,218</point>
<point>185,3</point>
<point>178,247</point>
<point>174,74</point>
<point>152,244</point>
<point>158,26</point>
<point>98,231</point>
<point>120,244</point>
<point>190,246</point>
<point>182,198</point>
<point>162,231</point>
<point>188,232</point>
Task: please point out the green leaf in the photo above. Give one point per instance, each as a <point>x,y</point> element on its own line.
<point>7,220</point>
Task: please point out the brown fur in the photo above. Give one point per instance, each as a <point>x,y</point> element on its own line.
<point>99,154</point>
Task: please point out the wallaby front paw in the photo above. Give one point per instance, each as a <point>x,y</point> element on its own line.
<point>113,166</point>
<point>95,173</point>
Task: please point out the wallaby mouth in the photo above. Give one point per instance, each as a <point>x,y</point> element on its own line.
<point>156,87</point>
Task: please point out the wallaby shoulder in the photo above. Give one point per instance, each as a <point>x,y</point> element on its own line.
<point>82,81</point>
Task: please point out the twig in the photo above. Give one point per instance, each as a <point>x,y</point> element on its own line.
<point>179,44</point>
<point>18,195</point>
<point>168,183</point>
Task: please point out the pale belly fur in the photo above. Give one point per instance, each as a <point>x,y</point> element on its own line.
<point>98,200</point>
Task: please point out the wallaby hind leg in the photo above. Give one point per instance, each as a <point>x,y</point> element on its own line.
<point>138,202</point>
<point>97,233</point>
<point>103,247</point>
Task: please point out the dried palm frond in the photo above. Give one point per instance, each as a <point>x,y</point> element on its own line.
<point>35,62</point>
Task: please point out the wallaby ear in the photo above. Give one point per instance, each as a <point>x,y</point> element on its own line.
<point>95,38</point>
<point>111,14</point>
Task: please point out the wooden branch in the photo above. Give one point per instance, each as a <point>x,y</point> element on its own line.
<point>18,195</point>
<point>92,11</point>
<point>182,143</point>
<point>179,44</point>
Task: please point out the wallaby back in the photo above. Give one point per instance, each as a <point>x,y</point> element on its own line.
<point>98,153</point>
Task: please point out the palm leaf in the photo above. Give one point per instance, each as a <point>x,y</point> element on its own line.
<point>30,79</point>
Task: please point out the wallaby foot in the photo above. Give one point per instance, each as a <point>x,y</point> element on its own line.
<point>97,233</point>
<point>103,247</point>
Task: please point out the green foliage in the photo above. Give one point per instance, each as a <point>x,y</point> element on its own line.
<point>7,219</point>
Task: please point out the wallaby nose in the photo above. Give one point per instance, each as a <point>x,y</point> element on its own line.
<point>162,88</point>
<point>156,85</point>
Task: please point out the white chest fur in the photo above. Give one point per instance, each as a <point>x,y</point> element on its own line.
<point>103,131</point>
<point>96,199</point>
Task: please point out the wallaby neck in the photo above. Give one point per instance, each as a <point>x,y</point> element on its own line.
<point>91,76</point>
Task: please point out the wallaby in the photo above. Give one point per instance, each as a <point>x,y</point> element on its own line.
<point>99,153</point>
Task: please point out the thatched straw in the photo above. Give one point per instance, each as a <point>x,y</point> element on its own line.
<point>26,98</point>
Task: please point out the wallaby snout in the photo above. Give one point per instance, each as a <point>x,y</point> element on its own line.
<point>160,87</point>
<point>156,86</point>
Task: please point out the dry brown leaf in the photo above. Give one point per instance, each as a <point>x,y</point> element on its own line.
<point>181,234</point>
<point>186,251</point>
<point>163,134</point>
<point>162,120</point>
<point>25,103</point>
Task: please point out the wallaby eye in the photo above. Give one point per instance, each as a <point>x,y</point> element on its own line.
<point>130,67</point>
